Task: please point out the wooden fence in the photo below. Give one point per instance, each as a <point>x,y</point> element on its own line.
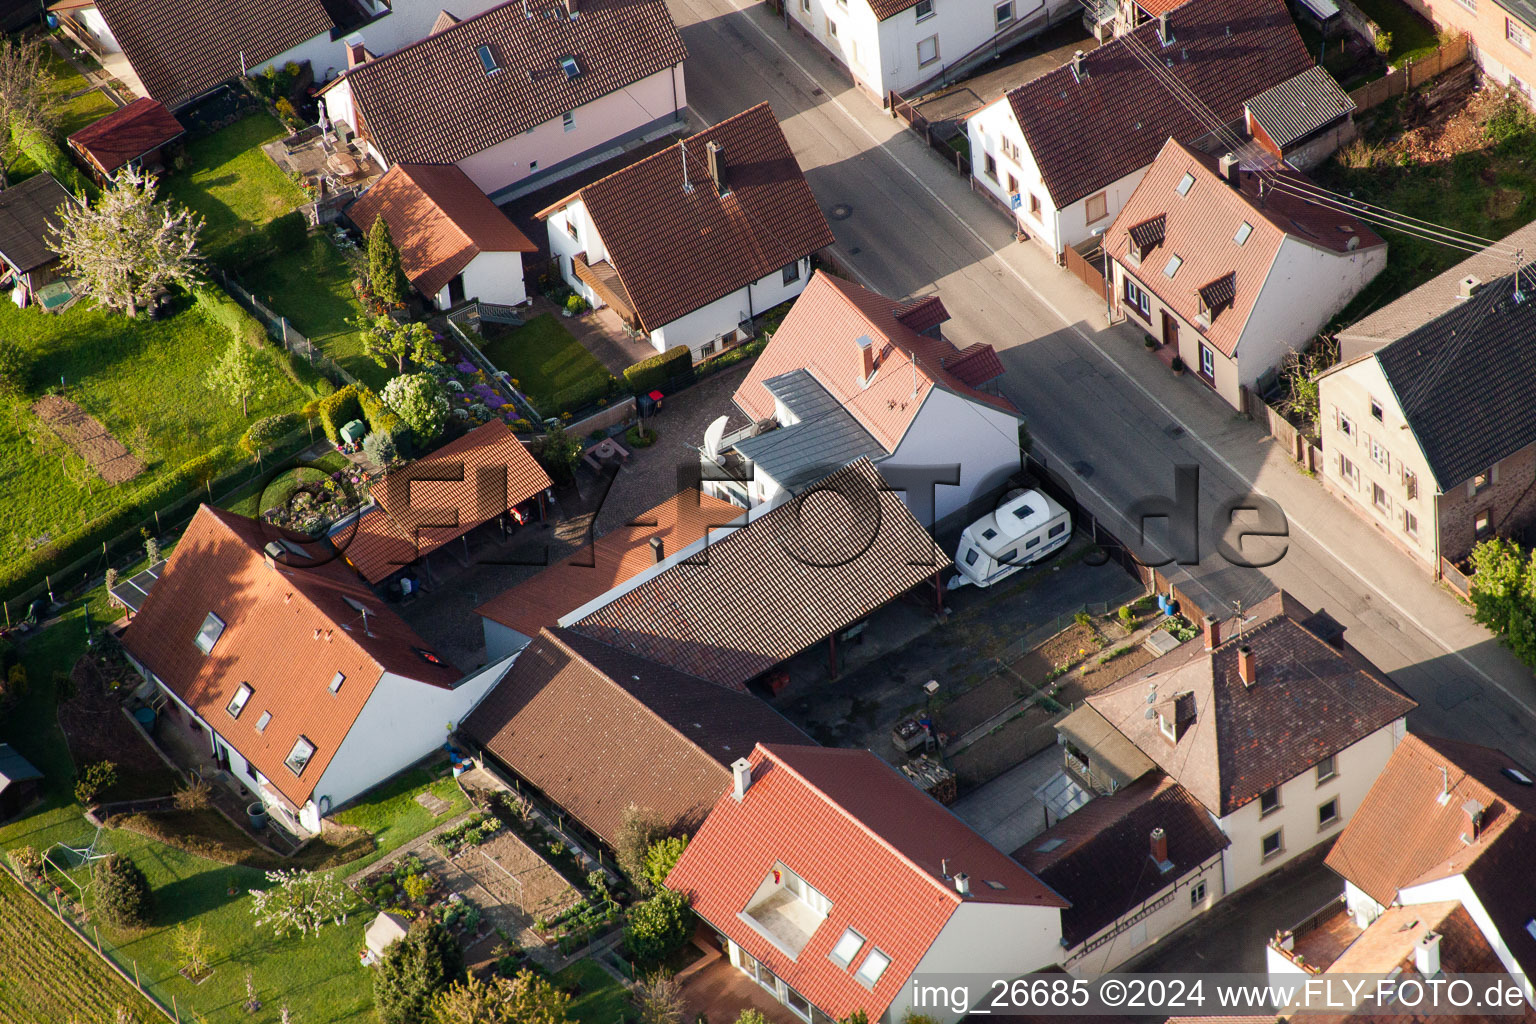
<point>1456,579</point>
<point>938,141</point>
<point>1411,74</point>
<point>1302,449</point>
<point>1089,266</point>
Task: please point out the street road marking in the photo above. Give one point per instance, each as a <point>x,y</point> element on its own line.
<point>992,254</point>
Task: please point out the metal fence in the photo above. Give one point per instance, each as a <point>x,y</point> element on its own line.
<point>456,321</point>
<point>281,329</point>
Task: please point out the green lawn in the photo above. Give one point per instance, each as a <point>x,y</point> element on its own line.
<point>1412,35</point>
<point>543,357</point>
<point>394,817</point>
<point>314,291</point>
<point>142,378</point>
<point>602,999</point>
<point>232,183</point>
<point>248,502</point>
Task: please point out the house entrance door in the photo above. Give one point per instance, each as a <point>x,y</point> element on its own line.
<point>1170,332</point>
<point>456,290</point>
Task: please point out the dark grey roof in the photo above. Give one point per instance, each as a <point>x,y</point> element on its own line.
<point>1299,106</point>
<point>14,767</point>
<point>1524,10</point>
<point>26,211</point>
<point>1463,381</point>
<point>132,591</point>
<point>826,439</point>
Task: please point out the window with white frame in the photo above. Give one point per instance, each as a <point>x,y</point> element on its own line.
<point>1410,523</point>
<point>1137,298</point>
<point>1002,13</point>
<point>1348,471</point>
<point>928,52</point>
<point>1377,413</point>
<point>239,700</point>
<point>1470,5</point>
<point>1517,34</point>
<point>568,120</point>
<point>299,756</point>
<point>924,9</point>
<point>831,28</point>
<point>1327,768</point>
<point>1197,893</point>
<point>989,165</point>
<point>872,968</point>
<point>1346,426</point>
<point>847,947</point>
<point>1380,498</point>
<point>1380,455</point>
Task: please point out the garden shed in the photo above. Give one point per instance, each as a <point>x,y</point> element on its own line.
<point>384,931</point>
<point>28,213</point>
<point>19,782</point>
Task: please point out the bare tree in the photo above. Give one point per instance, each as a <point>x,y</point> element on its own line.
<point>26,104</point>
<point>128,246</point>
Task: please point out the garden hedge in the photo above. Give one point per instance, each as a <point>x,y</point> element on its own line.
<point>45,152</point>
<point>268,431</point>
<point>223,310</point>
<point>673,368</point>
<point>580,395</point>
<point>339,409</point>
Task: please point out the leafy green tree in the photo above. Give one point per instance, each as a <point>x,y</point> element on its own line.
<point>122,893</point>
<point>638,829</point>
<point>301,901</point>
<point>387,342</point>
<point>558,453</point>
<point>750,1016</point>
<point>413,972</point>
<point>660,858</point>
<point>239,375</point>
<point>1504,594</point>
<point>27,104</point>
<point>93,779</point>
<point>419,400</point>
<point>658,927</point>
<point>525,998</point>
<point>386,279</point>
<point>15,368</point>
<point>267,431</point>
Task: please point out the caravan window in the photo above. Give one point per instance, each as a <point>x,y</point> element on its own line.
<point>1023,512</point>
<point>1055,531</point>
<point>988,533</point>
<point>1031,543</point>
<point>970,557</point>
<point>1008,558</point>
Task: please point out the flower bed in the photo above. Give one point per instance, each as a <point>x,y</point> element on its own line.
<point>579,923</point>
<point>472,831</point>
<point>312,506</point>
<point>475,392</point>
<point>411,889</point>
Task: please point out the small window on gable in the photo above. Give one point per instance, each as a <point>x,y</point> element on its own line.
<point>568,120</point>
<point>1242,233</point>
<point>488,60</point>
<point>847,947</point>
<point>263,721</point>
<point>1376,411</point>
<point>1174,263</point>
<point>1185,184</point>
<point>336,682</point>
<point>299,756</point>
<point>209,632</point>
<point>872,968</point>
<point>239,700</point>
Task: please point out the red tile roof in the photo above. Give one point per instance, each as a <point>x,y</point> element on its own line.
<point>610,560</point>
<point>595,730</point>
<point>863,836</point>
<point>287,632</point>
<point>821,335</point>
<point>805,568</point>
<point>181,49</point>
<point>440,221</point>
<point>1201,227</point>
<point>433,103</point>
<point>975,365</point>
<point>1099,857</point>
<point>1084,135</point>
<point>127,134</point>
<point>676,250</point>
<point>890,8</point>
<point>485,473</point>
<point>1310,701</point>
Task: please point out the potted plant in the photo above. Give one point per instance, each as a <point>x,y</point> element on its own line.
<point>1150,342</point>
<point>1177,365</point>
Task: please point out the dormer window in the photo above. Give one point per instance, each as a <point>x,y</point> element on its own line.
<point>208,633</point>
<point>785,910</point>
<point>238,701</point>
<point>1166,727</point>
<point>488,60</point>
<point>1215,297</point>
<point>1145,237</point>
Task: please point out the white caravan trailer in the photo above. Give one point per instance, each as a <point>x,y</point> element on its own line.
<point>1023,530</point>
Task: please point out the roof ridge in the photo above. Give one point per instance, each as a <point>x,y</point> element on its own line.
<point>890,847</point>
<point>429,37</point>
<point>464,236</point>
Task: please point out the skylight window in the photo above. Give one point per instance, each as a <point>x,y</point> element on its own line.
<point>488,60</point>
<point>847,947</point>
<point>238,701</point>
<point>1049,845</point>
<point>994,884</point>
<point>571,68</point>
<point>299,756</point>
<point>1243,233</point>
<point>263,721</point>
<point>1174,263</point>
<point>1185,184</point>
<point>872,968</point>
<point>209,632</point>
<point>336,682</point>
<point>1023,512</point>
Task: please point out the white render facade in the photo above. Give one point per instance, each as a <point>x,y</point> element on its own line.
<point>1002,166</point>
<point>489,277</point>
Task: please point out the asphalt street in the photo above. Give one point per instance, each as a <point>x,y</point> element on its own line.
<point>1102,412</point>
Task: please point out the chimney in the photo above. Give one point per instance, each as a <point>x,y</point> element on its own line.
<point>1229,167</point>
<point>962,883</point>
<point>1245,664</point>
<point>741,773</point>
<point>716,154</point>
<point>1426,954</point>
<point>658,549</point>
<point>1164,29</point>
<point>1077,66</point>
<point>1474,813</point>
<point>572,8</point>
<point>1467,287</point>
<point>1212,634</point>
<point>357,53</point>
<point>867,350</point>
<point>1159,846</point>
<point>270,553</point>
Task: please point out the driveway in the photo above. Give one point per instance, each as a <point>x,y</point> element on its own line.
<point>1006,810</point>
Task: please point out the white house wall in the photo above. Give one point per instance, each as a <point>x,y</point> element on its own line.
<point>322,52</point>
<point>96,25</point>
<point>1456,888</point>
<point>409,21</point>
<point>857,43</point>
<point>983,940</point>
<point>402,722</point>
<point>1305,287</point>
<point>500,640</point>
<point>947,429</point>
<point>1072,224</point>
<point>1356,768</point>
<point>562,246</point>
<point>709,322</point>
<point>491,277</point>
<point>1132,938</point>
<point>960,25</point>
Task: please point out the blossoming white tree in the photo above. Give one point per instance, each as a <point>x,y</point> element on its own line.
<point>300,901</point>
<point>127,246</point>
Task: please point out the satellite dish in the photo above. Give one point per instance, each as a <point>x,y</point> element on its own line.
<point>1353,243</point>
<point>712,436</point>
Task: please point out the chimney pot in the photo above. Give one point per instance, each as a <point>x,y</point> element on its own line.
<point>1245,666</point>
<point>1468,286</point>
<point>1160,845</point>
<point>1212,634</point>
<point>658,548</point>
<point>1077,66</point>
<point>741,775</point>
<point>962,883</point>
<point>716,154</point>
<point>357,53</point>
<point>1426,954</point>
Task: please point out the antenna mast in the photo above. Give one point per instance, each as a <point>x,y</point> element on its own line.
<point>682,144</point>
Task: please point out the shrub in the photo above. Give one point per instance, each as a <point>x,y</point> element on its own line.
<point>26,861</point>
<point>339,409</point>
<point>15,685</point>
<point>45,152</point>
<point>416,888</point>
<point>558,453</point>
<point>638,829</point>
<point>672,368</point>
<point>123,896</point>
<point>580,395</point>
<point>575,304</point>
<point>420,401</point>
<point>412,973</point>
<point>93,779</point>
<point>268,431</point>
<point>287,233</point>
<point>661,857</point>
<point>385,277</point>
<point>657,928</point>
<point>380,448</point>
<point>640,437</point>
<point>750,1016</point>
<point>521,426</point>
<point>15,368</point>
<point>1383,42</point>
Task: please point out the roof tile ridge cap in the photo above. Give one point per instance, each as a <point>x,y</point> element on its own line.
<point>859,824</point>
<point>379,58</point>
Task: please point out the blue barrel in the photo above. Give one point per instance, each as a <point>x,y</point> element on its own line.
<point>146,718</point>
